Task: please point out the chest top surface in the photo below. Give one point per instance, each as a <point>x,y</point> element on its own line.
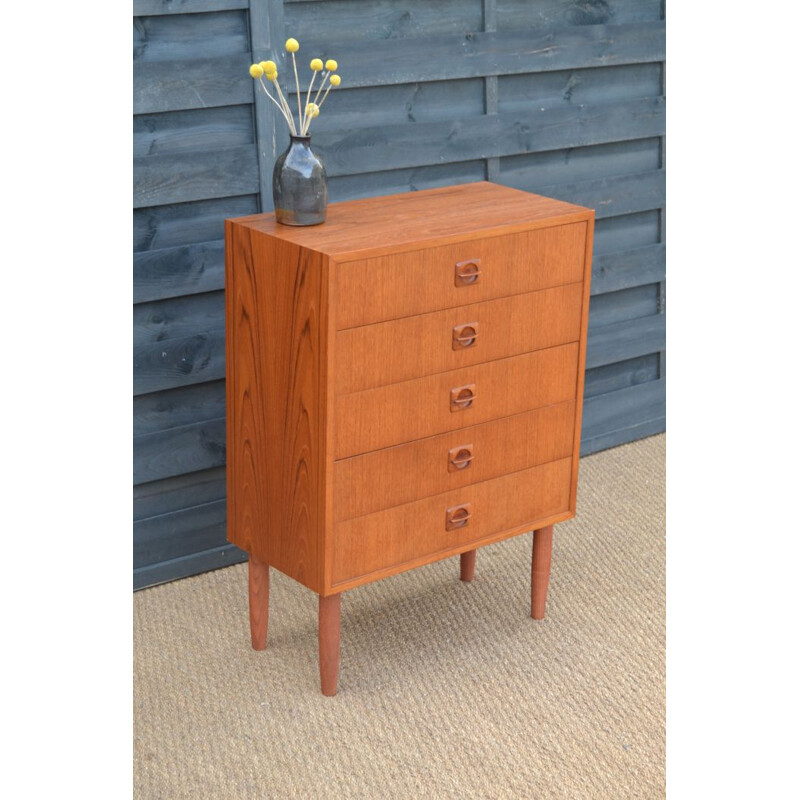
<point>374,226</point>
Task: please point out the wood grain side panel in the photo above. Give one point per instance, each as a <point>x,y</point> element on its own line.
<point>404,412</point>
<point>391,539</point>
<point>276,401</point>
<point>401,285</point>
<point>402,349</point>
<point>587,279</point>
<point>397,475</point>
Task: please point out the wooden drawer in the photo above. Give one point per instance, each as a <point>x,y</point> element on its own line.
<point>404,284</point>
<point>404,412</point>
<point>396,475</point>
<point>391,539</point>
<point>401,349</point>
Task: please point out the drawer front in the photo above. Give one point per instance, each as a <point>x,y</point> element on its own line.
<point>439,525</point>
<point>396,475</point>
<point>405,284</point>
<point>401,349</point>
<point>404,412</point>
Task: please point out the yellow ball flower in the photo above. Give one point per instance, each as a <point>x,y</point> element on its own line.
<point>316,64</point>
<point>268,66</point>
<point>331,65</point>
<point>335,80</point>
<point>292,45</point>
<point>312,109</point>
<point>272,76</point>
<point>256,71</point>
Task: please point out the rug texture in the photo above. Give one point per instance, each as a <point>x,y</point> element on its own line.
<point>446,689</point>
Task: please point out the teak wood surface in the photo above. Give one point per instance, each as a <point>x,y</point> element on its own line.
<point>402,349</point>
<point>318,378</point>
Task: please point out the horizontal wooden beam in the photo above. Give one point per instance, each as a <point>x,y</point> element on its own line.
<point>178,178</point>
<point>622,416</point>
<point>151,8</point>
<point>178,493</point>
<point>628,339</point>
<point>202,83</point>
<point>612,272</point>
<point>184,566</point>
<point>476,55</point>
<point>175,271</point>
<point>350,152</point>
<point>615,195</point>
<point>179,362</point>
<point>222,81</point>
<point>177,451</point>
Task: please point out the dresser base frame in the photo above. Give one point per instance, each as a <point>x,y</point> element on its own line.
<point>329,621</point>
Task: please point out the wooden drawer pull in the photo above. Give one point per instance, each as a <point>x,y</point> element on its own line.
<point>468,272</point>
<point>457,517</point>
<point>462,397</point>
<point>465,335</point>
<point>459,458</point>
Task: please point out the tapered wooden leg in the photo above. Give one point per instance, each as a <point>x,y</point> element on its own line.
<point>468,565</point>
<point>259,602</point>
<point>540,569</point>
<point>329,626</point>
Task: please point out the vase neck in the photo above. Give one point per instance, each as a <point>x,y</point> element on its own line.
<point>300,139</point>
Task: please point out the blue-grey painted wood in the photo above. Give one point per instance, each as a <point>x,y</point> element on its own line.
<point>626,268</point>
<point>160,227</point>
<point>201,83</point>
<point>176,178</point>
<point>178,317</point>
<point>613,234</point>
<point>176,271</point>
<point>179,450</point>
<point>142,8</point>
<point>620,375</point>
<point>622,306</point>
<point>348,152</point>
<point>170,38</point>
<point>183,567</point>
<point>578,86</point>
<point>176,494</point>
<point>200,130</point>
<point>475,55</point>
<point>627,339</point>
<point>616,417</point>
<point>612,197</point>
<point>369,22</point>
<point>179,534</point>
<point>524,13</point>
<point>266,42</point>
<point>176,408</point>
<point>179,362</point>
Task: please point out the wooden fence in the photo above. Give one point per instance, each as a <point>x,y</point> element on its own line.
<point>557,97</point>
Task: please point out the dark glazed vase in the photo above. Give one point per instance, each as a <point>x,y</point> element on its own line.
<point>300,185</point>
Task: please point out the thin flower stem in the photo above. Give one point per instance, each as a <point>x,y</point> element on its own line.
<point>278,105</point>
<point>299,100</point>
<point>286,107</point>
<point>321,86</point>
<point>308,97</point>
<point>325,95</point>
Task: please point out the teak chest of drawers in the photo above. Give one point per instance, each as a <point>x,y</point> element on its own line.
<point>404,384</point>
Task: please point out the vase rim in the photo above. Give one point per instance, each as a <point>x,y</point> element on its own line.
<point>301,138</point>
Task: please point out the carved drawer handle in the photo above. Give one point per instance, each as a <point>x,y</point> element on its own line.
<point>468,272</point>
<point>457,517</point>
<point>459,458</point>
<point>465,335</point>
<point>462,397</point>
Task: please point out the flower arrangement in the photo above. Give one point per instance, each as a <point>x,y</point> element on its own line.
<point>269,70</point>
